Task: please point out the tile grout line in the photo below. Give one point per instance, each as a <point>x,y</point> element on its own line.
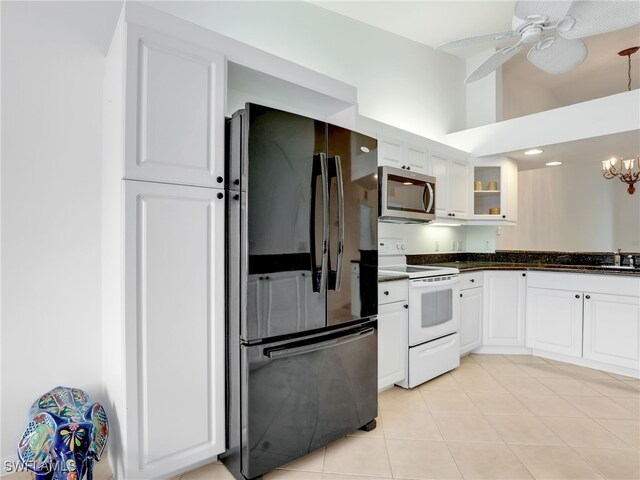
<point>440,432</point>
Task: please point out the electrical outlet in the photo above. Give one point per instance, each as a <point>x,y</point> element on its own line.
<point>499,232</point>
<point>486,245</point>
<point>453,245</point>
<point>460,245</point>
<point>437,246</point>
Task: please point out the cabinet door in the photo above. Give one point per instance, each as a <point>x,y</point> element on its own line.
<point>612,329</point>
<point>393,343</point>
<point>174,327</point>
<point>439,168</point>
<point>459,189</point>
<point>470,319</point>
<point>510,197</point>
<point>416,159</point>
<point>504,308</point>
<point>174,110</point>
<point>390,152</point>
<point>554,321</point>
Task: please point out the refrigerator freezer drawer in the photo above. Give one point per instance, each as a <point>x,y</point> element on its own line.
<point>433,358</point>
<point>304,394</point>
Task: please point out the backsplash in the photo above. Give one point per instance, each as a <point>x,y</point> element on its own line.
<point>424,239</point>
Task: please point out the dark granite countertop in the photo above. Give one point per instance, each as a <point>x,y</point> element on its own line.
<point>391,278</point>
<point>471,266</point>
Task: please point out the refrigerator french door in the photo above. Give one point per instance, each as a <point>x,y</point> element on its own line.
<point>302,207</point>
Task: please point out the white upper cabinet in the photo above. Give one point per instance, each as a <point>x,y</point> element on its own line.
<point>399,154</point>
<point>452,184</point>
<point>416,158</point>
<point>174,110</point>
<point>494,192</point>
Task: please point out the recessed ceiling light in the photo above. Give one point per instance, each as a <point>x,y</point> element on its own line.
<point>364,149</point>
<point>533,151</point>
<point>553,164</point>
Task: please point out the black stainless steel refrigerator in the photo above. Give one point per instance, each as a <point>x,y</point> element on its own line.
<point>302,333</point>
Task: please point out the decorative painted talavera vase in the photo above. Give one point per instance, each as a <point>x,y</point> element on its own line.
<point>65,435</point>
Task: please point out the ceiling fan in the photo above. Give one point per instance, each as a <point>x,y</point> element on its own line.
<point>555,29</point>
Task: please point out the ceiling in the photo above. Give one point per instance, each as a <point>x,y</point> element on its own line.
<point>526,89</point>
<point>589,150</point>
<point>430,22</point>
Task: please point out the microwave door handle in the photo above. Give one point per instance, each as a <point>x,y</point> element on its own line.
<point>427,186</point>
<point>340,185</point>
<point>325,223</point>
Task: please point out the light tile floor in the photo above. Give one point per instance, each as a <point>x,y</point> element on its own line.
<point>496,417</point>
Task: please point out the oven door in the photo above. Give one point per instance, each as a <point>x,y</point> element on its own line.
<point>434,308</point>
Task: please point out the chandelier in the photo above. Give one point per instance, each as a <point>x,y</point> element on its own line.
<point>622,169</point>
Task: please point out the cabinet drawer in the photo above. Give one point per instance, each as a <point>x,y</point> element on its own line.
<point>389,292</point>
<point>471,280</point>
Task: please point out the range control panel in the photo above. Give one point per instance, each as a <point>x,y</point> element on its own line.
<point>391,246</point>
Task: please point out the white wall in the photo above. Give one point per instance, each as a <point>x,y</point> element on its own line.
<point>572,207</point>
<point>483,96</point>
<point>399,81</point>
<point>52,74</point>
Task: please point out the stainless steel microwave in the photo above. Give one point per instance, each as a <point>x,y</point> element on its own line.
<point>406,196</point>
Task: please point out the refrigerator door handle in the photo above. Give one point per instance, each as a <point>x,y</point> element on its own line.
<point>340,185</point>
<point>277,352</point>
<point>325,223</point>
<point>320,169</point>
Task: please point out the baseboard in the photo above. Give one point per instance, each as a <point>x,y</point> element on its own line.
<point>581,362</point>
<point>503,349</point>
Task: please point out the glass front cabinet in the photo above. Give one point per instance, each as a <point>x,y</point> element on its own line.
<point>494,191</point>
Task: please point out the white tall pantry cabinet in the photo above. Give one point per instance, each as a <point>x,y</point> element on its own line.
<point>163,244</point>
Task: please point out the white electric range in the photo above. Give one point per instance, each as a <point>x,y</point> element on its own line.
<point>434,313</point>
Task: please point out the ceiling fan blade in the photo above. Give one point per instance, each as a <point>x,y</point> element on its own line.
<point>554,10</point>
<point>493,62</point>
<point>587,17</point>
<point>558,57</point>
<point>494,37</point>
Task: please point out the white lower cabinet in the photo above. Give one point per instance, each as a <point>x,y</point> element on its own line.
<point>504,308</point>
<point>612,329</point>
<point>470,319</point>
<point>173,327</point>
<point>393,336</point>
<point>554,321</point>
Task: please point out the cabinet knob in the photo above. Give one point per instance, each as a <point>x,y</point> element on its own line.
<point>473,280</point>
<point>236,181</point>
<point>386,292</point>
<point>219,179</point>
<point>220,195</point>
<point>453,214</point>
<point>406,306</point>
<point>504,216</point>
<point>524,274</point>
<point>461,295</point>
<point>409,168</point>
<point>587,297</point>
<point>577,296</point>
<point>404,167</point>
